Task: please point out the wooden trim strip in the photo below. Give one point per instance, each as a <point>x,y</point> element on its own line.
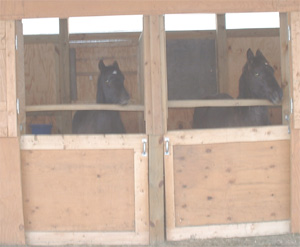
<point>76,142</point>
<point>66,8</point>
<point>209,136</point>
<point>3,106</point>
<point>230,231</point>
<point>78,107</point>
<point>218,103</point>
<point>85,238</point>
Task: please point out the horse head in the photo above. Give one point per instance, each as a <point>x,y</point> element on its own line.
<point>257,80</point>
<point>110,88</point>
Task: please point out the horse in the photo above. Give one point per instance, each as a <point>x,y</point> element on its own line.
<point>256,82</point>
<point>110,90</point>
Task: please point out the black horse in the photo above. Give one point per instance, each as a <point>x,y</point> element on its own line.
<point>110,90</point>
<point>256,82</point>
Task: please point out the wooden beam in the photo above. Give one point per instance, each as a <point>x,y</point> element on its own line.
<point>18,9</point>
<point>295,122</point>
<point>156,189</point>
<point>78,107</point>
<point>11,206</point>
<point>11,79</point>
<point>285,65</point>
<point>155,115</point>
<point>20,78</point>
<point>65,121</point>
<point>222,54</point>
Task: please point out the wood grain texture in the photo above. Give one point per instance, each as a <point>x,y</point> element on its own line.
<point>11,207</point>
<point>63,9</point>
<point>78,190</point>
<point>217,184</point>
<point>11,80</point>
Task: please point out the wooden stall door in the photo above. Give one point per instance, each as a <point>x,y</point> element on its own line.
<point>85,189</point>
<point>227,182</point>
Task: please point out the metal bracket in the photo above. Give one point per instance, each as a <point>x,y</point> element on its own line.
<point>18,106</point>
<point>144,141</point>
<point>167,151</point>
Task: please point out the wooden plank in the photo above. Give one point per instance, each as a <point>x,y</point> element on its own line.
<point>230,231</point>
<point>248,134</point>
<point>219,103</point>
<point>285,66</point>
<point>11,208</point>
<point>295,123</point>
<point>58,142</point>
<point>228,183</point>
<point>20,73</point>
<point>3,87</point>
<point>64,190</point>
<point>156,189</point>
<point>89,147</point>
<point>11,79</point>
<point>2,35</point>
<point>155,88</point>
<point>63,9</point>
<point>40,76</point>
<point>222,54</point>
<point>295,70</point>
<point>74,107</point>
<point>85,238</point>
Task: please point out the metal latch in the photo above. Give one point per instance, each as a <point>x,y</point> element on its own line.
<point>167,151</point>
<point>144,141</point>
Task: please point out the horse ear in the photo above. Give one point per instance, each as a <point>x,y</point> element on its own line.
<point>250,55</point>
<point>116,65</point>
<point>259,53</point>
<point>101,65</point>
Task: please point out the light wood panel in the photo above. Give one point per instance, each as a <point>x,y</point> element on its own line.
<point>295,122</point>
<point>229,183</point>
<point>78,190</point>
<point>11,207</point>
<point>32,8</point>
<point>100,199</point>
<point>204,166</point>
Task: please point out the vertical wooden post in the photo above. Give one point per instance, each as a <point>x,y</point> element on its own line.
<point>20,78</point>
<point>11,85</point>
<point>156,119</point>
<point>64,75</point>
<point>285,65</point>
<point>11,207</point>
<point>222,54</point>
<point>295,122</point>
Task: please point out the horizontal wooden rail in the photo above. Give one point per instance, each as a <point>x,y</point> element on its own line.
<point>218,103</point>
<point>171,104</point>
<point>78,107</point>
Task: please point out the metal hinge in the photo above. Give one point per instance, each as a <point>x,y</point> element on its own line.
<point>144,141</point>
<point>18,106</point>
<point>289,33</point>
<point>167,148</point>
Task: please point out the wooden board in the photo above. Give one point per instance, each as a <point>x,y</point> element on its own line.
<point>78,190</point>
<point>33,8</point>
<point>218,180</point>
<point>229,183</point>
<point>11,207</point>
<point>94,198</point>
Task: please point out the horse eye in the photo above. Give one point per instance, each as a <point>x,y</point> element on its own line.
<point>256,74</point>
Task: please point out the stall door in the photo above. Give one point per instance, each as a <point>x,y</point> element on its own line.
<point>85,189</point>
<point>227,182</point>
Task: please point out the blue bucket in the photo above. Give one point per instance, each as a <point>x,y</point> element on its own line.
<point>41,129</point>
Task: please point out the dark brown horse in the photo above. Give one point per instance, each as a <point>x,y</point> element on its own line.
<point>110,90</point>
<point>256,82</point>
